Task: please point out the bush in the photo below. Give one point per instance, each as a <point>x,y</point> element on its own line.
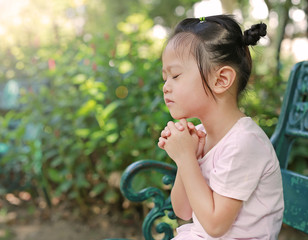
<point>98,109</point>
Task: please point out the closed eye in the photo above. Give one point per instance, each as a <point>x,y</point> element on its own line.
<point>176,76</point>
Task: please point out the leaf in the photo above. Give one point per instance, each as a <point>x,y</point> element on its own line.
<point>112,138</point>
<point>107,111</point>
<point>82,182</point>
<point>87,108</point>
<point>55,175</point>
<point>52,153</point>
<point>56,161</point>
<point>99,188</point>
<point>146,143</point>
<point>155,103</point>
<point>64,187</point>
<point>82,132</point>
<point>79,78</point>
<point>97,135</point>
<point>111,196</point>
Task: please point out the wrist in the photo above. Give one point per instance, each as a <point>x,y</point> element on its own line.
<point>185,159</point>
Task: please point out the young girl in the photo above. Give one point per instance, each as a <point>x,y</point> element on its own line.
<point>228,179</point>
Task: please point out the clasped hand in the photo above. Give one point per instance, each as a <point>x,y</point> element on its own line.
<point>182,141</point>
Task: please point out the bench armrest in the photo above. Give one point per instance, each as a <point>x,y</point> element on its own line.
<point>161,202</point>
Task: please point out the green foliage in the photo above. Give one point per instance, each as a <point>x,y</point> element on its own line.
<point>98,110</point>
<point>91,100</point>
<point>263,97</point>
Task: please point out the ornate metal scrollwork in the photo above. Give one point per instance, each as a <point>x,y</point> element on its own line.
<point>298,120</point>
<point>298,113</point>
<point>162,203</point>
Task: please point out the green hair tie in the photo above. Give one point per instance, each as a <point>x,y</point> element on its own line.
<point>202,19</point>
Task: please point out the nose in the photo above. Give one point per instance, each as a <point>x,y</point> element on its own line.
<point>166,87</point>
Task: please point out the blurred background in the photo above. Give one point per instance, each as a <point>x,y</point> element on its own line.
<point>81,99</point>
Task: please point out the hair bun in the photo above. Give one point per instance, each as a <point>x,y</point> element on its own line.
<point>253,35</point>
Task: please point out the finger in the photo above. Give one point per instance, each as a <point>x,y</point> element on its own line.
<point>183,122</point>
<point>167,131</point>
<point>190,126</point>
<point>192,129</point>
<point>179,126</point>
<point>171,126</point>
<point>161,143</point>
<point>200,134</point>
<point>194,133</point>
<point>165,134</point>
<point>201,145</point>
<point>202,138</point>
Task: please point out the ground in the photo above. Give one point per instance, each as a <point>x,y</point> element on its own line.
<point>24,222</point>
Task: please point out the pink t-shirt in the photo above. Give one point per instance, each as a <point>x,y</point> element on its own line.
<point>243,165</point>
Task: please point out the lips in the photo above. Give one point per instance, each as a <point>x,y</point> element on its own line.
<point>168,101</point>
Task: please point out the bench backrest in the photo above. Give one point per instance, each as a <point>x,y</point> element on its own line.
<point>293,124</point>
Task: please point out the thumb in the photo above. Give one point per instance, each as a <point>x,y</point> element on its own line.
<point>201,136</point>
<point>201,144</point>
<point>202,139</point>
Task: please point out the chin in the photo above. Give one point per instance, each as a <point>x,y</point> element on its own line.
<point>177,116</point>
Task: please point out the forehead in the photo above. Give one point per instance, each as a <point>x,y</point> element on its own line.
<point>177,53</point>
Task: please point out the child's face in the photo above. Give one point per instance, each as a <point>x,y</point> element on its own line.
<point>184,93</point>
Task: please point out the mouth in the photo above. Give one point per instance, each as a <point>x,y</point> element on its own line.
<point>168,101</point>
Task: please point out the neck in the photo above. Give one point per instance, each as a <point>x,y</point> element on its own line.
<point>218,122</point>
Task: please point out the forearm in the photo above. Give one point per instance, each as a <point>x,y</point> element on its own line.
<point>179,200</point>
<point>211,213</point>
<point>199,194</point>
<point>215,212</point>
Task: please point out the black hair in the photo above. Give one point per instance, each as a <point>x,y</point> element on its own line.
<point>216,41</point>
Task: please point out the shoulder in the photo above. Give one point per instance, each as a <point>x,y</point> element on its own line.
<point>246,132</point>
<point>248,144</point>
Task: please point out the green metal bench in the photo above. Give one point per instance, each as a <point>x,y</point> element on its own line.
<point>292,124</point>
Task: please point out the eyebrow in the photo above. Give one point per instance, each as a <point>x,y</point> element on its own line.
<point>170,67</point>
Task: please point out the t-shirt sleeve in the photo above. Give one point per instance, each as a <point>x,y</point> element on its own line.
<point>238,167</point>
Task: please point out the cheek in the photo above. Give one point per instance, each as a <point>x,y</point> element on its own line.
<point>193,99</point>
<point>192,93</point>
<point>200,91</point>
<point>199,98</point>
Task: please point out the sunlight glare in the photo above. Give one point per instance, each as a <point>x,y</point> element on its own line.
<point>179,11</point>
<point>2,31</point>
<point>238,15</point>
<point>207,8</point>
<point>11,9</point>
<point>297,15</point>
<point>78,2</point>
<point>259,9</point>
<point>16,21</point>
<point>45,20</point>
<point>297,48</point>
<point>273,19</point>
<point>159,32</point>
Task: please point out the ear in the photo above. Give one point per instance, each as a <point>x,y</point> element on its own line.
<point>224,79</point>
